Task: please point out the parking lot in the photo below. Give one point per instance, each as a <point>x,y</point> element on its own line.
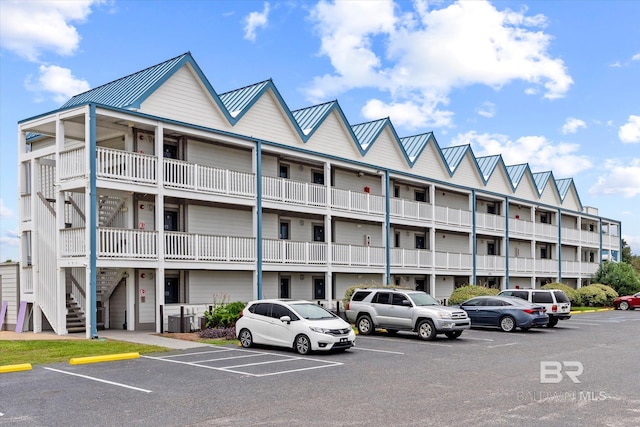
<point>486,377</point>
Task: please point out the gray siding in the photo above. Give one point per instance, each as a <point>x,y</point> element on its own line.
<point>219,221</point>
<point>205,286</point>
<point>219,156</point>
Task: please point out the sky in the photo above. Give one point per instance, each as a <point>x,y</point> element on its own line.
<point>555,84</point>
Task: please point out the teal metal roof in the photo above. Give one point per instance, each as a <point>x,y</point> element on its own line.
<point>541,179</point>
<point>487,165</point>
<point>516,172</point>
<point>367,133</point>
<point>236,101</point>
<point>563,186</point>
<point>311,117</point>
<point>454,155</point>
<point>413,145</point>
<point>130,91</point>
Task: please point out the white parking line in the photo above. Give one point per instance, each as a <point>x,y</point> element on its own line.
<point>501,345</point>
<point>379,351</point>
<point>477,339</point>
<point>100,380</point>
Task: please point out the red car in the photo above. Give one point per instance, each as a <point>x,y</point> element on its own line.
<point>628,302</point>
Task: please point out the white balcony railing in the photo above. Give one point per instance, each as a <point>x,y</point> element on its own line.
<point>25,212</point>
<point>490,222</point>
<point>570,235</point>
<point>546,266</point>
<point>127,243</point>
<point>125,165</point>
<point>191,176</point>
<point>418,258</point>
<point>73,242</point>
<point>519,227</point>
<point>570,267</point>
<point>26,280</point>
<point>72,164</point>
<point>521,265</point>
<point>409,209</point>
<point>546,231</point>
<point>290,252</point>
<point>452,216</point>
<point>490,263</point>
<point>453,261</point>
<point>294,192</point>
<point>199,247</point>
<point>355,201</point>
<point>344,254</point>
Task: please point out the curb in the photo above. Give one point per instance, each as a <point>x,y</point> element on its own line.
<point>105,358</point>
<point>15,368</point>
<point>592,311</point>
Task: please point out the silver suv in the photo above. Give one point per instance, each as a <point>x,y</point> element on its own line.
<point>404,310</point>
<point>556,302</point>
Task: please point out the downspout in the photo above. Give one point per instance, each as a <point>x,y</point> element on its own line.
<point>92,223</point>
<point>600,249</point>
<point>559,246</point>
<point>473,235</point>
<point>259,218</point>
<point>387,225</point>
<point>506,245</point>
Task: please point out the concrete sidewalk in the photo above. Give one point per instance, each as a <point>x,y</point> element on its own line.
<point>113,334</point>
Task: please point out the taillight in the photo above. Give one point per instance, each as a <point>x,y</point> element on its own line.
<point>529,311</point>
<point>554,308</point>
<point>348,305</point>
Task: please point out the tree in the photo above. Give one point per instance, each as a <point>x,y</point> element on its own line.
<point>620,276</point>
<point>626,252</point>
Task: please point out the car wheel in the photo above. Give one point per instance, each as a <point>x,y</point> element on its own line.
<point>624,305</point>
<point>552,322</point>
<point>302,344</point>
<point>392,331</point>
<point>426,331</point>
<point>246,340</point>
<point>508,324</point>
<point>365,325</point>
<point>453,335</point>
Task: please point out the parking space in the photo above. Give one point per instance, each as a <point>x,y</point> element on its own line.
<point>247,362</point>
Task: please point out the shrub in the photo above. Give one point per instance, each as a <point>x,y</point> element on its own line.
<point>574,295</point>
<point>619,275</point>
<point>609,292</point>
<point>463,293</point>
<point>219,333</point>
<point>223,315</point>
<point>592,296</point>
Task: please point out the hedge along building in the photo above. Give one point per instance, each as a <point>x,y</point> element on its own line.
<point>156,191</point>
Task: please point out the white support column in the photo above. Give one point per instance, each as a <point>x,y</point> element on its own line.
<point>35,231</point>
<point>61,321</point>
<point>254,223</point>
<point>131,300</point>
<point>159,220</point>
<point>89,317</point>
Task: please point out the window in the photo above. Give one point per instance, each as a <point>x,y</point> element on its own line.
<point>544,218</point>
<point>420,243</point>
<point>170,151</point>
<point>318,177</point>
<point>318,233</point>
<point>277,311</point>
<point>542,297</point>
<point>398,299</point>
<point>284,230</point>
<point>284,171</point>
<point>171,220</point>
<point>420,285</point>
<point>543,253</point>
<point>360,295</point>
<point>396,239</point>
<point>421,196</point>
<point>491,208</point>
<point>263,309</point>
<point>396,191</point>
<point>381,298</point>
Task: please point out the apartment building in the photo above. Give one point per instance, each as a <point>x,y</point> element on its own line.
<point>154,193</point>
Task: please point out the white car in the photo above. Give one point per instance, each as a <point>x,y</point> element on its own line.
<point>301,325</point>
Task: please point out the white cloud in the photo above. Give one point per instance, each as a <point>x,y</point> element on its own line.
<point>572,125</point>
<point>619,179</point>
<point>633,242</point>
<point>541,154</point>
<point>630,132</point>
<point>58,82</point>
<point>29,28</point>
<point>256,20</point>
<point>488,110</point>
<point>636,57</point>
<point>5,212</point>
<point>410,55</point>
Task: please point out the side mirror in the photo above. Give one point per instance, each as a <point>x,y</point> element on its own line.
<point>406,303</point>
<point>285,319</point>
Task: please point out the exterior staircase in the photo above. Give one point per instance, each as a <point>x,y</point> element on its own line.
<point>76,321</point>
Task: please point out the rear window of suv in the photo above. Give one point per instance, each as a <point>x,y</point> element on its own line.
<point>542,297</point>
<point>360,295</point>
<point>561,296</point>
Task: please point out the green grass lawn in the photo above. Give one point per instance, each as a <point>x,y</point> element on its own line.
<point>42,351</point>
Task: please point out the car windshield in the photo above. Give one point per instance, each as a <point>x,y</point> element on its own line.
<point>422,298</point>
<point>312,311</point>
